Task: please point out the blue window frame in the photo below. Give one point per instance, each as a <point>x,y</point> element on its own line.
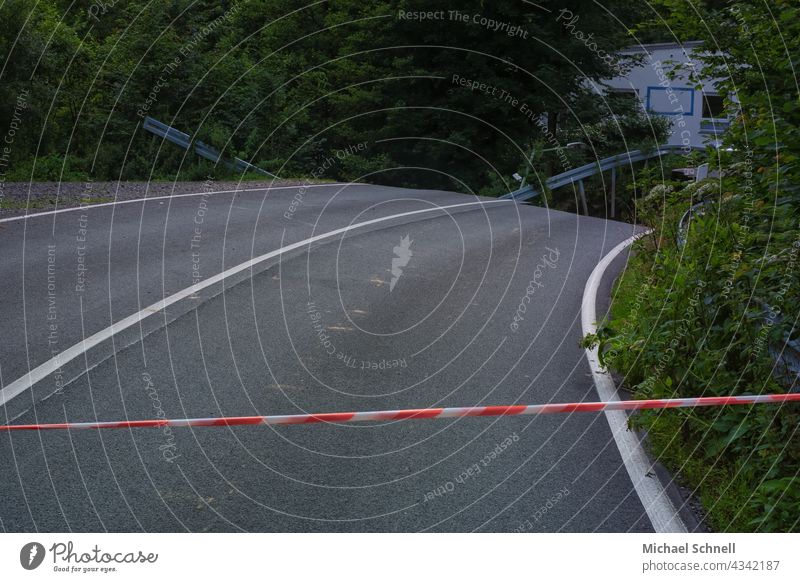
<point>677,90</point>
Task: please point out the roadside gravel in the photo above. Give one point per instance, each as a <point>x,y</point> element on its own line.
<point>19,198</point>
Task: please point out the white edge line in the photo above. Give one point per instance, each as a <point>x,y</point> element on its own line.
<point>168,196</point>
<point>41,372</point>
<point>656,502</point>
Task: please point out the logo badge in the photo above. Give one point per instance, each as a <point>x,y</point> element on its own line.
<point>31,555</point>
<point>402,254</point>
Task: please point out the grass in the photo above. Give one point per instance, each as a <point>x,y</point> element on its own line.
<point>722,488</point>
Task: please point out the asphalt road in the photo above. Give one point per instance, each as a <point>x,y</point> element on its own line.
<point>320,328</point>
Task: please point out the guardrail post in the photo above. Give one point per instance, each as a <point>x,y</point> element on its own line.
<point>613,192</point>
<point>583,198</point>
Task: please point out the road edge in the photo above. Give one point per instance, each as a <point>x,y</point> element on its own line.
<point>663,515</point>
<point>85,207</point>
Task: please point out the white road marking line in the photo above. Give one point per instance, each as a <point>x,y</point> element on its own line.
<point>42,371</point>
<point>152,198</point>
<point>654,498</point>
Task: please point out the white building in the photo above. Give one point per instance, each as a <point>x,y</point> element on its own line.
<point>697,115</point>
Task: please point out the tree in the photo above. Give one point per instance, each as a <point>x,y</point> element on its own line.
<point>444,97</point>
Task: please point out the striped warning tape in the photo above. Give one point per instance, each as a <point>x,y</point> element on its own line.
<point>421,413</point>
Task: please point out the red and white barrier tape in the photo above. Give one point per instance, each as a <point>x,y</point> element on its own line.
<point>421,413</point>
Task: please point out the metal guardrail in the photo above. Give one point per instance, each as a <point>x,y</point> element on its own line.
<point>593,168</point>
<point>203,150</point>
<point>787,354</point>
<point>683,223</point>
<point>167,132</point>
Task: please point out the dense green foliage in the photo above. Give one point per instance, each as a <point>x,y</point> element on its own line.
<point>286,85</point>
<point>702,318</point>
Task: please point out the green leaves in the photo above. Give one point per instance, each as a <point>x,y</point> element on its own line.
<point>277,82</point>
<point>699,327</point>
<point>776,504</point>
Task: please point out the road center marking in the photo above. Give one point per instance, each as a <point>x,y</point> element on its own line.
<point>42,371</point>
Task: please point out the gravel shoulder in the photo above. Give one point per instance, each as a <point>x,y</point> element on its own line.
<point>20,198</point>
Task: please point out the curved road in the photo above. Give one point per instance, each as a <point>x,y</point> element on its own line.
<point>475,303</point>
